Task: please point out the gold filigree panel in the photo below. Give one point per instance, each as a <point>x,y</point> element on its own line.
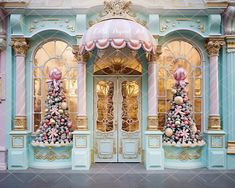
<point>105,114</point>
<point>117,62</point>
<point>130,106</point>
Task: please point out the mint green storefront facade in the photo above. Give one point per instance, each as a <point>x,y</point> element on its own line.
<point>35,37</point>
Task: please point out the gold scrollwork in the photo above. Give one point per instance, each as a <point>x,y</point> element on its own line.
<point>184,154</point>
<point>213,45</point>
<point>19,45</point>
<point>51,155</point>
<point>20,123</point>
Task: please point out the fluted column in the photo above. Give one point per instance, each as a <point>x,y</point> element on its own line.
<point>81,91</point>
<point>153,91</point>
<point>213,46</point>
<point>20,47</point>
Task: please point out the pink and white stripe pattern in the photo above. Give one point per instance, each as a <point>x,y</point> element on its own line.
<point>117,33</point>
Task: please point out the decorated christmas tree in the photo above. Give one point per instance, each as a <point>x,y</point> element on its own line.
<point>55,127</point>
<point>180,128</point>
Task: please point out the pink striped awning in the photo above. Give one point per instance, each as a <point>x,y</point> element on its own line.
<point>117,33</point>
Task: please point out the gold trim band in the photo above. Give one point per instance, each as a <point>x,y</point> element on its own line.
<point>82,123</point>
<point>214,123</point>
<point>20,123</point>
<point>153,123</point>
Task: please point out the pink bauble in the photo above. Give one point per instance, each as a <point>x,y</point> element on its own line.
<point>186,122</point>
<point>180,74</point>
<point>55,74</point>
<point>69,124</point>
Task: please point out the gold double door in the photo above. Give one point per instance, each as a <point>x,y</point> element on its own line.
<point>117,119</point>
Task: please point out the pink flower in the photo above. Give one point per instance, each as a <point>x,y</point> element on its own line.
<point>53,133</point>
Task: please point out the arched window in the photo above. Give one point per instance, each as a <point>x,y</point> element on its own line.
<point>53,54</point>
<point>176,54</point>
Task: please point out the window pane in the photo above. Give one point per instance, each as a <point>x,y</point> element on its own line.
<point>179,54</point>
<point>50,55</point>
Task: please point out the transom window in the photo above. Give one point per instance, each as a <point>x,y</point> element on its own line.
<point>48,56</point>
<point>176,54</point>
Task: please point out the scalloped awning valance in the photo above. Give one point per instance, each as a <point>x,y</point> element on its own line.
<point>117,33</point>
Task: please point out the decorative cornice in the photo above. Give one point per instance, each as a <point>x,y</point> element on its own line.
<point>117,9</point>
<point>216,4</point>
<point>19,45</point>
<point>213,45</point>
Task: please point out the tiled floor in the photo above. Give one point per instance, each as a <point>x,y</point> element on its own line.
<point>123,175</point>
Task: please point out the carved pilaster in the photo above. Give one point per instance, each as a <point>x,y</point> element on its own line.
<point>214,122</point>
<point>20,46</point>
<point>20,123</point>
<point>82,123</point>
<point>213,45</point>
<point>153,123</point>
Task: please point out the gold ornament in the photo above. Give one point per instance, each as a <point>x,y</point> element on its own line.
<point>46,110</point>
<point>178,100</point>
<point>177,122</point>
<point>52,121</point>
<point>64,105</point>
<point>61,111</point>
<point>194,129</point>
<point>168,132</point>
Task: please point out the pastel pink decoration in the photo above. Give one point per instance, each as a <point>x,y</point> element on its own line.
<point>180,76</point>
<point>55,74</point>
<point>117,33</point>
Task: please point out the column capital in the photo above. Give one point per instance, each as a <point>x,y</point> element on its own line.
<point>2,43</point>
<point>20,46</point>
<point>79,57</point>
<point>213,45</point>
<point>152,58</point>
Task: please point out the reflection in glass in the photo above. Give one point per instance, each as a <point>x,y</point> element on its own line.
<point>130,94</point>
<point>104,92</point>
<point>49,55</point>
<point>176,54</point>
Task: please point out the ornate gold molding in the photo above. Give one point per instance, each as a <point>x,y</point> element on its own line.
<point>184,155</point>
<point>19,45</point>
<point>117,9</point>
<point>231,147</point>
<point>153,123</point>
<point>2,43</point>
<point>51,155</point>
<point>213,45</point>
<point>214,123</point>
<point>20,123</point>
<point>82,123</point>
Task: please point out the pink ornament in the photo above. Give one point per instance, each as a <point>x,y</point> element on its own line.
<point>55,74</point>
<point>69,124</point>
<point>186,122</point>
<point>180,74</point>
